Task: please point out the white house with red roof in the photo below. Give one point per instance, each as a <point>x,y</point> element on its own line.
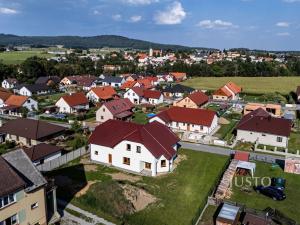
<point>120,109</point>
<point>72,103</point>
<point>201,121</point>
<point>148,149</point>
<point>230,91</point>
<point>139,95</point>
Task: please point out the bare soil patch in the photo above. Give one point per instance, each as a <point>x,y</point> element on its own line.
<point>139,198</point>
<point>179,159</point>
<point>84,190</point>
<point>124,177</point>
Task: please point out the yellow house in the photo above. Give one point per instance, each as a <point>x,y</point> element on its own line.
<point>22,191</point>
<point>274,109</point>
<point>194,100</point>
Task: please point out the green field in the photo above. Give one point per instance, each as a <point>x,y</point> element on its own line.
<point>289,206</point>
<point>18,57</point>
<point>179,194</point>
<point>259,85</point>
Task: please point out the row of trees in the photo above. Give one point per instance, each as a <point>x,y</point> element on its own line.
<point>34,67</point>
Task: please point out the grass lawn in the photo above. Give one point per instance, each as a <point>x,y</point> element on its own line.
<point>208,216</point>
<point>140,117</point>
<point>289,207</point>
<point>244,146</point>
<point>261,85</point>
<point>18,57</point>
<point>294,142</point>
<point>179,194</point>
<point>225,132</point>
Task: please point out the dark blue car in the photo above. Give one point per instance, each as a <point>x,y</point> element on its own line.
<point>271,192</point>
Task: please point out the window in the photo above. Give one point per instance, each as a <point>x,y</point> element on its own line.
<point>17,138</point>
<point>138,149</point>
<point>34,205</point>
<point>102,117</point>
<point>263,135</point>
<point>126,161</point>
<point>7,200</point>
<point>96,152</point>
<point>147,165</point>
<point>201,127</point>
<point>177,124</point>
<point>14,219</point>
<point>279,139</point>
<point>128,147</point>
<point>103,109</point>
<point>163,163</point>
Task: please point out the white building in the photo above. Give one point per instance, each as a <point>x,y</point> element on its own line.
<point>148,149</point>
<point>72,103</point>
<point>34,89</point>
<point>9,83</point>
<point>21,101</point>
<point>261,128</point>
<point>187,119</point>
<point>139,95</point>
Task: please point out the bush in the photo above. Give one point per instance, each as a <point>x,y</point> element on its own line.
<point>78,142</point>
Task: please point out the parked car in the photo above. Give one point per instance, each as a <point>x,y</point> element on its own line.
<point>271,192</point>
<point>278,182</point>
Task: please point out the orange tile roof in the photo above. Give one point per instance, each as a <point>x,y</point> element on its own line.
<point>76,99</point>
<point>128,84</point>
<point>105,92</point>
<point>223,92</point>
<point>16,100</point>
<point>146,83</point>
<point>233,87</point>
<point>178,75</point>
<point>4,95</point>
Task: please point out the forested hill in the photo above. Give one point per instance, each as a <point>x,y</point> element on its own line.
<point>85,42</point>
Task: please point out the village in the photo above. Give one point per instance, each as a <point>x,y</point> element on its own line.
<point>112,149</point>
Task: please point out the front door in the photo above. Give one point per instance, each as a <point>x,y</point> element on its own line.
<point>188,127</point>
<point>109,158</point>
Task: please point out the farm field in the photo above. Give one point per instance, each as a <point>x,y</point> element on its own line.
<point>17,57</point>
<point>289,206</point>
<point>257,85</point>
<point>102,190</point>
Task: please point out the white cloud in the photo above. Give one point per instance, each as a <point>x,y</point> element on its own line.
<point>216,24</point>
<point>96,12</point>
<point>135,19</point>
<point>291,1</point>
<point>7,11</point>
<point>117,17</point>
<point>140,2</point>
<point>173,14</point>
<point>282,24</point>
<point>283,34</point>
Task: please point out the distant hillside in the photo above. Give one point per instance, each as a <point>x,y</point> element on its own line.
<point>112,41</point>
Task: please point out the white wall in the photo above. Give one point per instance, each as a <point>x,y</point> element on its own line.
<point>133,97</point>
<point>265,139</point>
<point>63,107</point>
<point>31,104</point>
<point>137,160</point>
<point>103,114</point>
<point>92,96</point>
<point>192,127</point>
<point>25,92</point>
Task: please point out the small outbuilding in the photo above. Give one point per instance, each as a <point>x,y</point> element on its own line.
<point>229,215</point>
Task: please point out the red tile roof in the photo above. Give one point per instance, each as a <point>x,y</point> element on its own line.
<point>242,156</point>
<point>16,100</point>
<point>106,92</point>
<point>202,117</point>
<point>199,98</point>
<point>146,83</point>
<point>76,99</point>
<point>261,121</point>
<point>118,106</point>
<point>139,91</point>
<point>82,80</point>
<point>152,94</point>
<point>157,138</point>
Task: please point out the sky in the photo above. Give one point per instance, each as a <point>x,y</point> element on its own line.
<point>254,24</point>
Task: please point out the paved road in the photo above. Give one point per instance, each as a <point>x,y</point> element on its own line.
<point>93,219</point>
<point>226,151</point>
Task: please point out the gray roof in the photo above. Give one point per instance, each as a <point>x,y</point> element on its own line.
<point>112,79</point>
<point>229,212</point>
<point>23,165</point>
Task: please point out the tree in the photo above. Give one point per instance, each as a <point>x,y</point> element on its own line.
<point>32,68</point>
<point>76,127</point>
